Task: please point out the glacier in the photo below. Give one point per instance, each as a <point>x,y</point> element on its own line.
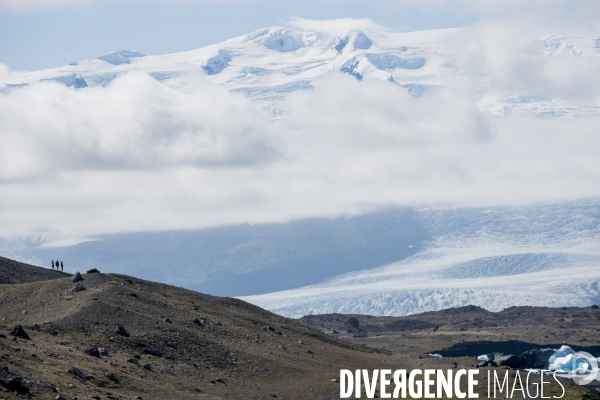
<point>494,257</point>
<point>389,262</point>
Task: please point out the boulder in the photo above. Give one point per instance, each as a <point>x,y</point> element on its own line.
<point>93,271</point>
<point>148,367</point>
<point>121,331</point>
<point>111,377</point>
<point>92,351</point>
<point>535,359</point>
<point>77,277</point>
<point>134,360</point>
<point>168,320</point>
<point>103,351</point>
<point>77,288</point>
<point>509,360</point>
<point>12,381</point>
<point>18,331</point>
<point>483,364</point>
<point>76,372</point>
<point>152,352</point>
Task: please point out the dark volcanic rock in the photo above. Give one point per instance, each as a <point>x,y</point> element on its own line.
<point>76,372</point>
<point>77,288</point>
<point>111,377</point>
<point>103,351</point>
<point>18,331</point>
<point>148,367</point>
<point>510,360</point>
<point>77,277</point>
<point>92,351</point>
<point>483,364</point>
<point>12,381</point>
<point>536,358</point>
<point>93,271</point>
<point>121,331</point>
<point>152,352</point>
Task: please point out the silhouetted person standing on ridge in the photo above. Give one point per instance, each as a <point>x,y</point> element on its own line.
<point>53,265</point>
<point>61,267</point>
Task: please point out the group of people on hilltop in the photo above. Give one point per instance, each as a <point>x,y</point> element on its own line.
<point>59,265</point>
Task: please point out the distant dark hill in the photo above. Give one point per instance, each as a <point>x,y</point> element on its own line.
<point>470,330</point>
<point>15,272</point>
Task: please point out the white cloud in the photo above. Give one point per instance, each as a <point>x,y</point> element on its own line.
<point>32,5</point>
<point>138,155</point>
<point>133,123</point>
<point>335,26</point>
<point>515,58</point>
<point>375,114</point>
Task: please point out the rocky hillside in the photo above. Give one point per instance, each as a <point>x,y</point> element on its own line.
<point>109,336</point>
<point>114,337</point>
<point>12,271</point>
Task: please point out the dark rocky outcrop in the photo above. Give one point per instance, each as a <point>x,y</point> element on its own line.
<point>536,358</point>
<point>92,351</point>
<point>510,361</point>
<point>19,332</point>
<point>152,352</point>
<point>77,288</point>
<point>12,381</point>
<point>483,364</point>
<point>77,277</point>
<point>76,372</point>
<point>121,331</point>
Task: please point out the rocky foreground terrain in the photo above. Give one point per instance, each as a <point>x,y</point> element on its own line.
<point>108,336</point>
<point>117,337</point>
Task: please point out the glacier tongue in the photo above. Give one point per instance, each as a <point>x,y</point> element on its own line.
<point>494,258</point>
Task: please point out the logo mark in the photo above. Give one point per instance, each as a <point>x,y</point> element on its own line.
<point>584,368</point>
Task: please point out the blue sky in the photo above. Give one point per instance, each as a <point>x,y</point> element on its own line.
<point>53,35</point>
<point>36,34</point>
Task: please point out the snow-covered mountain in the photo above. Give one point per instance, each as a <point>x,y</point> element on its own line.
<point>465,121</point>
<point>268,64</point>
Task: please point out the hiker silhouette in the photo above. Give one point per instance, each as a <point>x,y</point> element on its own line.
<point>52,264</point>
<point>61,267</point>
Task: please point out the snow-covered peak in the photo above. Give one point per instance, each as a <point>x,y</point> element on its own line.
<point>269,63</point>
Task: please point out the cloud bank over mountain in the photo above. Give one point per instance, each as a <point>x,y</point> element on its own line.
<point>322,125</point>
